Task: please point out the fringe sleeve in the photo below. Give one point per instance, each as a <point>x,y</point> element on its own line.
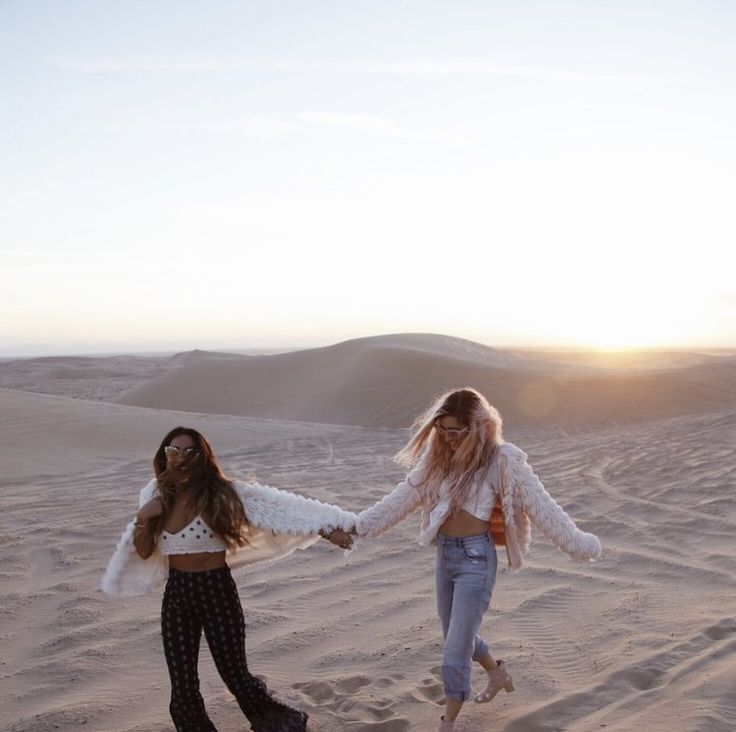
<point>393,507</point>
<point>288,513</point>
<point>547,515</point>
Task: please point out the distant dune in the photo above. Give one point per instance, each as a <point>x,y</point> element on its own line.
<point>384,381</point>
<point>81,377</point>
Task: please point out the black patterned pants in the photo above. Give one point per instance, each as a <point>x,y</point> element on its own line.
<point>196,601</point>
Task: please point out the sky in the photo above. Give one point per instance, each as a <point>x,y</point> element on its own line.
<point>265,174</point>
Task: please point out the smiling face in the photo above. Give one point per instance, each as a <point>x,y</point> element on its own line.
<point>452,430</point>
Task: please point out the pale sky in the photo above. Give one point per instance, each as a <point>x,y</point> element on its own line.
<point>263,174</point>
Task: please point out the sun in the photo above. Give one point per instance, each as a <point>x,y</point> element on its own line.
<point>621,321</point>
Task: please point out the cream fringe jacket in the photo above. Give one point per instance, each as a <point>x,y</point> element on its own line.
<point>278,523</point>
<point>525,502</point>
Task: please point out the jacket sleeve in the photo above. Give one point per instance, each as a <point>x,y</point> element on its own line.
<point>547,515</point>
<point>394,507</point>
<point>128,574</point>
<point>288,513</point>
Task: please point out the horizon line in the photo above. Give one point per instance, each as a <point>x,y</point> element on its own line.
<point>42,351</point>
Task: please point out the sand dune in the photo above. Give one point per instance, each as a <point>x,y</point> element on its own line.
<point>48,435</point>
<point>651,359</point>
<point>81,377</point>
<point>383,382</point>
<point>644,639</point>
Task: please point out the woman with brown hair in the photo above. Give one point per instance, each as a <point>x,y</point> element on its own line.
<point>190,518</point>
<point>461,470</point>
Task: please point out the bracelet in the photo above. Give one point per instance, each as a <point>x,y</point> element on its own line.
<point>139,525</point>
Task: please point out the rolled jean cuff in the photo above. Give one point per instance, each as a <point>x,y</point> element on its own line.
<point>459,697</point>
<point>456,683</point>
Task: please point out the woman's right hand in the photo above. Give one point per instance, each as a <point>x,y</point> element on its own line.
<point>147,511</point>
<point>143,539</point>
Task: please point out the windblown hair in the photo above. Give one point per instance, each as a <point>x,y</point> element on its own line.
<point>469,462</point>
<point>210,491</point>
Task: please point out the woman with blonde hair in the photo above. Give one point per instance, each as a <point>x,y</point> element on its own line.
<point>190,517</point>
<point>461,470</point>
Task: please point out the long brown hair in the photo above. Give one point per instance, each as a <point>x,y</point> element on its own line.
<point>209,490</point>
<point>472,458</point>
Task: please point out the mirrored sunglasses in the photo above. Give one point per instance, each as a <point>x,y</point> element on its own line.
<point>174,451</point>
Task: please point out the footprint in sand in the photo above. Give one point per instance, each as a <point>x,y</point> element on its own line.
<point>355,702</point>
<point>319,692</point>
<point>429,689</point>
<point>351,684</point>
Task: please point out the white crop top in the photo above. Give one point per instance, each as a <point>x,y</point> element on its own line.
<point>480,502</point>
<point>194,537</point>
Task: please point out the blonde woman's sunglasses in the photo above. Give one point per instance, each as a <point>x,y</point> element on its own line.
<point>451,431</point>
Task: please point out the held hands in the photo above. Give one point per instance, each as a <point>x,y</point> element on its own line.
<point>338,537</point>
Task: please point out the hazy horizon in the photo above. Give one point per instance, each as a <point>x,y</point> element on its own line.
<point>173,348</point>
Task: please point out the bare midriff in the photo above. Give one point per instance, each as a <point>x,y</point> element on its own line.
<point>199,562</point>
<point>464,524</point>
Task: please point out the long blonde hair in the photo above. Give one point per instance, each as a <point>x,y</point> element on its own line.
<point>472,458</point>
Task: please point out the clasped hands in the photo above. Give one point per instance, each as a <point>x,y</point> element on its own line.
<point>339,537</point>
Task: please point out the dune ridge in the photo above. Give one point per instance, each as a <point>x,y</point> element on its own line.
<point>384,382</point>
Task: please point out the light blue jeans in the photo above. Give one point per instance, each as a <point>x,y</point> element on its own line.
<point>466,573</point>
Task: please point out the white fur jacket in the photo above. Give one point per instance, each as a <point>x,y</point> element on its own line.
<point>278,523</point>
<point>525,501</point>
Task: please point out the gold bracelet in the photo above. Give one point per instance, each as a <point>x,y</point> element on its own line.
<point>139,526</point>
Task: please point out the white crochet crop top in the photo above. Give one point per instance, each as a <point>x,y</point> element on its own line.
<point>480,502</point>
<point>193,538</point>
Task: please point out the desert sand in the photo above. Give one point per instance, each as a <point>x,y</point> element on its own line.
<point>641,454</point>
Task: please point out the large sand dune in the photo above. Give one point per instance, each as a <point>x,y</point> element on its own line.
<point>384,381</point>
<point>644,639</point>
